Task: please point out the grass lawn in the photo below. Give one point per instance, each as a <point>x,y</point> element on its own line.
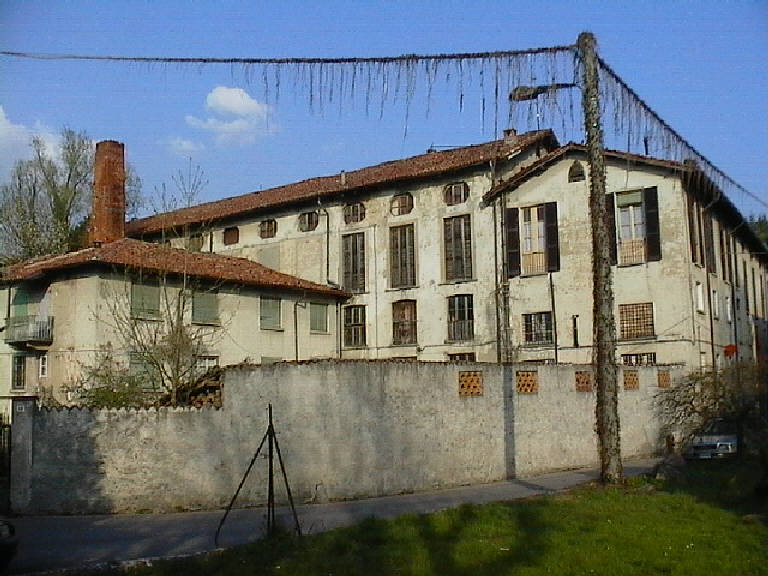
<point>644,528</point>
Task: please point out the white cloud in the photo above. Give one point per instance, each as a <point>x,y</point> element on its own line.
<point>238,118</point>
<point>235,101</point>
<point>184,147</point>
<point>15,143</point>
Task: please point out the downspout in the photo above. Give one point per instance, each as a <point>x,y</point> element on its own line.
<point>496,280</point>
<point>554,313</point>
<point>706,209</point>
<point>300,303</point>
<point>339,329</point>
<point>324,212</point>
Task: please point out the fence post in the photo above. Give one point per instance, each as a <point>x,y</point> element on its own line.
<point>23,409</point>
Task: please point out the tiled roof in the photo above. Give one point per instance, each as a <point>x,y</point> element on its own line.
<point>689,172</point>
<point>130,253</point>
<point>425,165</point>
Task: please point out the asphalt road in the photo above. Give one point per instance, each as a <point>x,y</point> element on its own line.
<point>57,542</point>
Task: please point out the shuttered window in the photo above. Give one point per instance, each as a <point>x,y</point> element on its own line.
<point>20,302</point>
<point>532,240</point>
<point>461,318</point>
<point>354,326</point>
<point>318,317</point>
<point>537,328</point>
<point>231,235</point>
<point>353,247</point>
<point>354,213</point>
<point>269,313</point>
<point>268,228</point>
<point>401,204</point>
<point>402,258</point>
<point>457,236</point>
<point>308,221</point>
<point>404,322</point>
<point>145,300</point>
<point>632,220</point>
<point>456,193</point>
<point>205,307</point>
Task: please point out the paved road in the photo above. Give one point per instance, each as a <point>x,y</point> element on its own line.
<point>55,542</point>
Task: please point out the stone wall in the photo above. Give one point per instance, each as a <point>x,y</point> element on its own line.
<point>348,429</point>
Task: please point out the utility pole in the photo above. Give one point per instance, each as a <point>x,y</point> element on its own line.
<point>604,324</point>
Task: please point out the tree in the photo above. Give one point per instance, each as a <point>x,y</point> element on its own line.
<point>44,208</point>
<point>759,225</point>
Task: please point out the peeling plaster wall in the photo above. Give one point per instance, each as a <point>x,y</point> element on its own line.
<point>346,430</point>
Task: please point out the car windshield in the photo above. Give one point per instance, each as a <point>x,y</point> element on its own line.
<point>719,428</point>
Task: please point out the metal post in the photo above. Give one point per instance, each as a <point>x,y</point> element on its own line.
<point>604,329</point>
<point>271,485</point>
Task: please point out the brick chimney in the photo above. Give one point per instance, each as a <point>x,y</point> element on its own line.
<point>108,217</point>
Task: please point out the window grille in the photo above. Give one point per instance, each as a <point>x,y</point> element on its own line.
<point>402,256</point>
<point>354,213</point>
<point>308,221</point>
<point>231,235</point>
<point>636,320</point>
<point>537,328</point>
<point>268,228</point>
<point>354,326</point>
<point>401,204</point>
<point>353,249</point>
<point>584,381</point>
<point>640,359</point>
<point>457,235</point>
<point>19,372</point>
<point>456,193</point>
<point>460,318</point>
<point>404,322</point>
<point>471,383</point>
<point>631,380</point>
<point>527,381</point>
<point>462,357</point>
<point>664,379</point>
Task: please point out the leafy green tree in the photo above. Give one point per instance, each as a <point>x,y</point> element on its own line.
<point>760,225</point>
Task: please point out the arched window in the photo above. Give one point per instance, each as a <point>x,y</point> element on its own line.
<point>576,172</point>
<point>456,193</point>
<point>308,221</point>
<point>354,212</point>
<point>401,204</point>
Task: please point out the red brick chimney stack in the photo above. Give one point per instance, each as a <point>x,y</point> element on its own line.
<point>108,217</point>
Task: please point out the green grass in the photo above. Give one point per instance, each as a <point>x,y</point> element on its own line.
<point>643,528</point>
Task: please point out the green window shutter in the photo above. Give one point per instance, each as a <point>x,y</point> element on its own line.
<point>270,313</point>
<point>318,317</point>
<point>205,307</point>
<point>145,300</point>
<point>20,302</point>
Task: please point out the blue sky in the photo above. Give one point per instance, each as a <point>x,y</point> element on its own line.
<point>702,65</point>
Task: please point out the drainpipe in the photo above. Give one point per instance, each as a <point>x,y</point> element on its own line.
<point>322,211</point>
<point>300,303</point>
<point>554,313</point>
<point>339,329</point>
<point>496,279</point>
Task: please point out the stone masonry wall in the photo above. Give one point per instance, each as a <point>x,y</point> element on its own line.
<point>348,429</point>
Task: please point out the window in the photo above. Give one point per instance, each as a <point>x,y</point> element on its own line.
<point>699,298</point>
<point>308,221</point>
<point>404,322</point>
<point>457,235</point>
<point>195,243</point>
<point>205,307</point>
<point>20,304</point>
<point>728,309</point>
<point>19,372</point>
<point>533,245</point>
<point>462,357</point>
<point>142,370</point>
<point>461,319</point>
<point>231,235</point>
<point>204,363</point>
<point>537,328</point>
<point>353,249</point>
<point>401,204</point>
<point>576,172</point>
<point>632,218</point>
<point>268,228</point>
<point>354,213</point>
<point>145,300</point>
<point>715,305</point>
<point>640,359</point>
<point>629,206</point>
<point>456,193</point>
<point>636,320</point>
<point>318,317</point>
<point>402,260</point>
<point>269,315</point>
<point>42,366</point>
<point>354,326</point>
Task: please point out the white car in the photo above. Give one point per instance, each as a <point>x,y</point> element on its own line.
<point>718,439</point>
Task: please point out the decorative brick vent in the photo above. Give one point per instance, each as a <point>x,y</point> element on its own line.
<point>527,381</point>
<point>584,381</point>
<point>665,379</point>
<point>631,380</point>
<point>471,383</point>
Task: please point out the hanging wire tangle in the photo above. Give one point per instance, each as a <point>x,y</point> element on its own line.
<point>495,74</point>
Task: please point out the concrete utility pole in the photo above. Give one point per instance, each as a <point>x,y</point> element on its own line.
<point>604,324</point>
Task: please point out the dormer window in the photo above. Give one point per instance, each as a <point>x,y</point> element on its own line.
<point>456,193</point>
<point>268,228</point>
<point>401,204</point>
<point>308,221</point>
<point>576,172</point>
<point>354,213</point>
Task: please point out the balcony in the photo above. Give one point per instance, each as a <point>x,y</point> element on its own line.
<point>29,330</point>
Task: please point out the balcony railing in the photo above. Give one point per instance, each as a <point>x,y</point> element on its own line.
<point>29,329</point>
